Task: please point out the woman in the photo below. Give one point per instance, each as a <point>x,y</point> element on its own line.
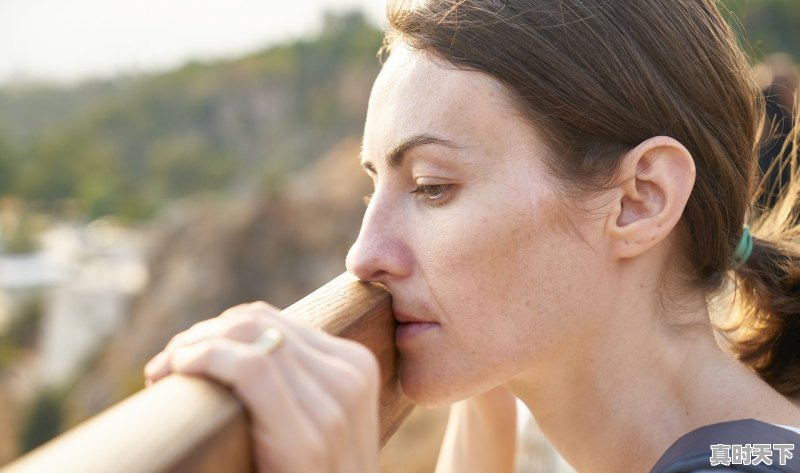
<point>560,186</point>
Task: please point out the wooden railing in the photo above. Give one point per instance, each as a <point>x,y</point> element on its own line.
<point>184,424</point>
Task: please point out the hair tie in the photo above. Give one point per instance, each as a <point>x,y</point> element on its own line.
<point>744,248</point>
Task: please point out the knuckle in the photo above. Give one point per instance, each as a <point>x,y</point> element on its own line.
<point>243,325</point>
<point>177,340</point>
<point>241,316</point>
<point>259,309</point>
<point>316,452</point>
<point>235,310</point>
<point>187,335</point>
<point>249,309</point>
<point>354,389</point>
<point>250,312</point>
<point>249,367</point>
<point>366,362</point>
<point>203,350</point>
<point>240,327</point>
<point>190,358</point>
<point>333,421</point>
<point>261,306</point>
<point>352,380</point>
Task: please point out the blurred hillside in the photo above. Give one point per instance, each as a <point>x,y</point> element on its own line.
<point>269,142</point>
<point>231,181</point>
<point>229,127</point>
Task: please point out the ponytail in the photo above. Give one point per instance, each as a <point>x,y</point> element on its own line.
<point>767,326</point>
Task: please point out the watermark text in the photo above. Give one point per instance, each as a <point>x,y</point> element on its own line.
<point>755,454</point>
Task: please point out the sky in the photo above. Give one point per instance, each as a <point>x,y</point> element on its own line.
<point>70,40</point>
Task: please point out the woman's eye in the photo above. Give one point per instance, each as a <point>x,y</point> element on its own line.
<point>433,193</point>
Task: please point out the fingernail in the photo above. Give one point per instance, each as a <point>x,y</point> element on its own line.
<point>155,364</point>
<point>157,367</point>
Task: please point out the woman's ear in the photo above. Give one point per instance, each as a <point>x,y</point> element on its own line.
<point>656,179</point>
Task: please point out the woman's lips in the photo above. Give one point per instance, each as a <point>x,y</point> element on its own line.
<point>407,331</point>
<point>410,327</point>
<point>404,318</point>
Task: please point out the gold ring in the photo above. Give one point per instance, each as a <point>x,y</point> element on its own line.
<point>269,340</point>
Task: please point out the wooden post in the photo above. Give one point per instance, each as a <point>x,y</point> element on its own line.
<point>184,424</point>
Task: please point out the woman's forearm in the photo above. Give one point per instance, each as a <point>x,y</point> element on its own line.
<point>481,435</point>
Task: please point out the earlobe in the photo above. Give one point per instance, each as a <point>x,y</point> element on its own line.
<point>656,179</point>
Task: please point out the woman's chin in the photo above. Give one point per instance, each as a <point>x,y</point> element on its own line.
<point>425,392</point>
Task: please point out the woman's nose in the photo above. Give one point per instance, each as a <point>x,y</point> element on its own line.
<point>380,253</point>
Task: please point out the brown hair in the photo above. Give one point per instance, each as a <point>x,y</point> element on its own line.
<point>599,78</point>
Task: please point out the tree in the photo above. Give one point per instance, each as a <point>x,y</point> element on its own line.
<point>765,26</point>
<point>8,166</point>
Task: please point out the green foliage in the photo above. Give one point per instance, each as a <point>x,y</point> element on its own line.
<point>129,146</point>
<point>8,167</point>
<point>765,26</point>
<point>42,420</point>
<point>22,333</point>
<point>211,128</point>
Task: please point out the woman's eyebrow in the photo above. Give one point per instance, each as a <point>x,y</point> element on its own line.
<point>395,158</point>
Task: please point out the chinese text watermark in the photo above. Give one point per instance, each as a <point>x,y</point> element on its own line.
<point>755,454</point>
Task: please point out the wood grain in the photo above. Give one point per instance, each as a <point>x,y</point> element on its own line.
<point>189,425</point>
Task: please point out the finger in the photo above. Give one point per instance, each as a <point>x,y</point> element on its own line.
<point>243,322</point>
<point>314,400</point>
<point>331,394</point>
<point>351,401</point>
<point>343,364</point>
<point>358,385</point>
<point>348,369</point>
<point>274,389</point>
<point>263,306</point>
<point>156,368</point>
<point>353,387</point>
<point>353,352</point>
<point>246,321</point>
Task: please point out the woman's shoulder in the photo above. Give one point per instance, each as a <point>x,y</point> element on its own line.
<point>746,445</point>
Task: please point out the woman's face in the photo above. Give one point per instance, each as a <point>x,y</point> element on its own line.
<point>465,229</point>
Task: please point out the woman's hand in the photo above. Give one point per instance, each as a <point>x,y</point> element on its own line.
<point>313,401</point>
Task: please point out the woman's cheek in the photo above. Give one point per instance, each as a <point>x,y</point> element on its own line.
<point>479,265</point>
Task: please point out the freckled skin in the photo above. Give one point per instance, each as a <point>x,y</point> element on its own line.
<point>494,264</point>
